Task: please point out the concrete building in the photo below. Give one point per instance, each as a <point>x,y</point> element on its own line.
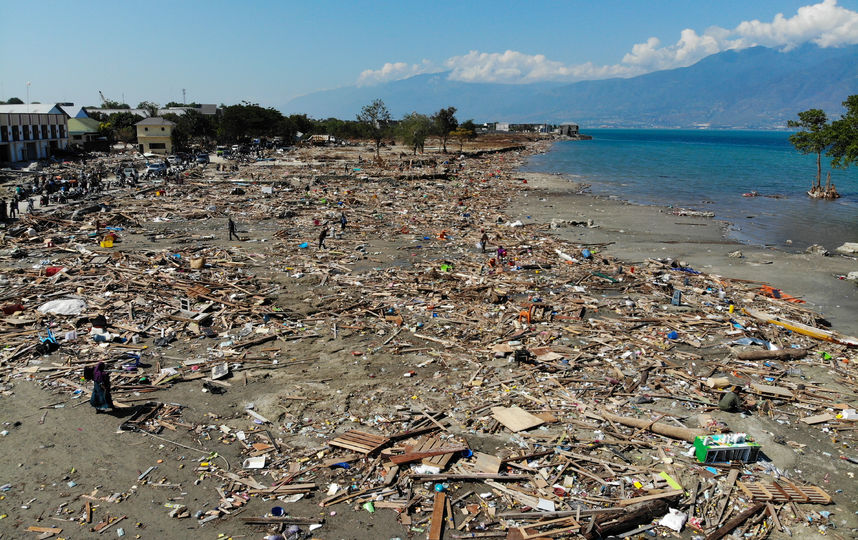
<point>72,110</point>
<point>83,133</point>
<point>207,109</point>
<point>154,135</point>
<point>31,132</point>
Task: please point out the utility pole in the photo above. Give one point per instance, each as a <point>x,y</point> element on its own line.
<point>28,97</point>
<point>184,99</point>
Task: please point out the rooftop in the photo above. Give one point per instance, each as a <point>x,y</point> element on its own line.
<point>32,108</point>
<point>155,121</point>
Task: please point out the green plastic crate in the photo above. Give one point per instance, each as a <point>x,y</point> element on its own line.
<point>721,451</point>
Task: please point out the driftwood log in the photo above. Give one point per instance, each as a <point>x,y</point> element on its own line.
<point>667,430</point>
<point>779,354</point>
<point>605,526</point>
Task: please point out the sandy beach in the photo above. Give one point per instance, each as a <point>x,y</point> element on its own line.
<point>637,232</point>
<point>401,327</point>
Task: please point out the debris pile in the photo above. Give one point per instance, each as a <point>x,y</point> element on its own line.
<point>520,388</point>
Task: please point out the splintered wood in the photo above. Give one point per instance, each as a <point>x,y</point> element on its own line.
<point>359,441</point>
<point>784,491</point>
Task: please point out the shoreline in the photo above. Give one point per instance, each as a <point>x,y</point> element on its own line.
<point>716,174</point>
<point>640,231</point>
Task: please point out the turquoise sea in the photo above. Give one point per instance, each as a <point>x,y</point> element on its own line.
<point>710,171</point>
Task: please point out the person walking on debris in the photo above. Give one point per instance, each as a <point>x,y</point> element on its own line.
<point>2,209</point>
<point>343,221</point>
<point>484,241</point>
<point>13,207</point>
<point>232,232</point>
<point>322,236</point>
<point>101,399</point>
<point>30,207</point>
<point>730,401</point>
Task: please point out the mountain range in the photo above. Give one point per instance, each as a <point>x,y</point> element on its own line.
<point>755,88</point>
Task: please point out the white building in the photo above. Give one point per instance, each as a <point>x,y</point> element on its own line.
<point>31,132</point>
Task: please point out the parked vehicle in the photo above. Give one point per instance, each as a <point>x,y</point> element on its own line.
<point>156,169</point>
<point>202,158</point>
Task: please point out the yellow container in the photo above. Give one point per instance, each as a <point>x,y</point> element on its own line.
<point>107,243</point>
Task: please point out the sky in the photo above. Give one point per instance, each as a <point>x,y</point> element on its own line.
<point>269,52</point>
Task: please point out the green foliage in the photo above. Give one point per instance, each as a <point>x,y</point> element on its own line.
<point>375,119</point>
<point>192,128</point>
<point>463,134</point>
<point>127,134</point>
<point>111,104</point>
<point>413,130</point>
<point>844,136</point>
<point>240,122</point>
<point>117,126</point>
<point>150,107</point>
<point>445,122</point>
<point>13,101</point>
<point>814,138</point>
<point>302,123</point>
<point>341,129</point>
<point>177,104</point>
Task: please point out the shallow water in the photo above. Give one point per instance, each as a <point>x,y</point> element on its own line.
<point>710,171</point>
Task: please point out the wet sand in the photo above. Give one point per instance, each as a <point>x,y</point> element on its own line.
<point>637,232</point>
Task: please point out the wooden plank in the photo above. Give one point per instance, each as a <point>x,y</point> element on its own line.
<point>731,481</point>
<point>437,521</point>
<point>644,498</point>
<point>416,456</point>
<point>365,443</point>
<point>735,522</point>
<point>52,530</point>
<point>487,463</point>
<point>515,418</point>
<point>359,436</point>
<point>349,446</point>
<point>816,494</point>
<point>817,419</point>
<point>772,390</point>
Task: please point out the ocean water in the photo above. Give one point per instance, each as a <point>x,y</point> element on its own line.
<point>710,171</point>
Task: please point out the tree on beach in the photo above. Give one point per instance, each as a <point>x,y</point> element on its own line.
<point>413,130</point>
<point>445,122</point>
<point>814,138</point>
<point>375,119</point>
<point>844,136</point>
<point>465,132</point>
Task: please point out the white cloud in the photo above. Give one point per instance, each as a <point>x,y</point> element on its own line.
<point>517,67</point>
<point>825,24</point>
<point>393,71</point>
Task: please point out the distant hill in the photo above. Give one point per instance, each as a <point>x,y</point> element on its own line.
<point>752,88</point>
